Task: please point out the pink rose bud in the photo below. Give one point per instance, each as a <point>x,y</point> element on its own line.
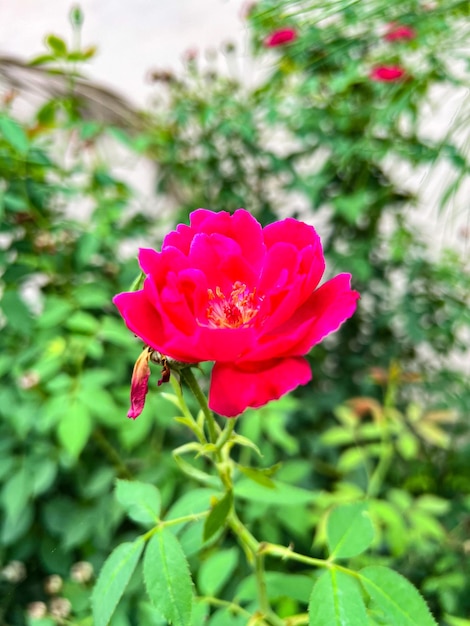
<point>280,37</point>
<point>226,290</point>
<point>387,73</point>
<point>398,32</point>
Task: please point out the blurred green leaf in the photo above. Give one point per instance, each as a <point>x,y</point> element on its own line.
<point>216,571</point>
<point>141,501</point>
<point>13,133</point>
<point>57,45</point>
<point>74,428</point>
<point>349,530</point>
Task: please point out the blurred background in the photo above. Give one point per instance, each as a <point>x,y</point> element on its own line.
<point>116,121</point>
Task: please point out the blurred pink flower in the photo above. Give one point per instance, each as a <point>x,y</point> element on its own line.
<point>280,37</point>
<point>387,73</point>
<point>224,289</point>
<point>399,32</point>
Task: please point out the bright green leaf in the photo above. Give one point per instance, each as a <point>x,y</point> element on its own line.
<point>141,501</point>
<point>113,580</point>
<point>13,134</point>
<point>336,600</point>
<point>400,602</point>
<point>57,45</point>
<point>167,578</point>
<point>349,530</point>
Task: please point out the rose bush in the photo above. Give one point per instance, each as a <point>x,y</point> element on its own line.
<point>225,289</point>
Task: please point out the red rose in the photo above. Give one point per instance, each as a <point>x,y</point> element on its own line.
<point>280,37</point>
<point>225,289</point>
<point>386,73</point>
<point>397,32</point>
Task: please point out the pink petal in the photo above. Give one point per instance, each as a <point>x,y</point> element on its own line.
<point>234,389</point>
<point>323,313</point>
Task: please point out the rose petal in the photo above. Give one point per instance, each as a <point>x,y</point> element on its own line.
<point>235,388</point>
<point>323,313</point>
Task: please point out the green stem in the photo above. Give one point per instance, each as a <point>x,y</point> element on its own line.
<point>263,599</point>
<point>249,543</point>
<point>287,553</point>
<point>188,375</point>
<point>234,608</point>
<point>112,454</point>
<point>226,433</point>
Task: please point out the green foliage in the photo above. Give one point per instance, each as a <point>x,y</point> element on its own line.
<point>371,460</point>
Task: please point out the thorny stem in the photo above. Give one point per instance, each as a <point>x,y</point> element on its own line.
<point>255,551</point>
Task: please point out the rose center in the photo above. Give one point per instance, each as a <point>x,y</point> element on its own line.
<point>233,311</point>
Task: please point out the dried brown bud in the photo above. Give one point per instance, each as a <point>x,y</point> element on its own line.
<point>60,607</point>
<point>14,572</point>
<point>53,584</point>
<point>81,572</point>
<point>36,610</point>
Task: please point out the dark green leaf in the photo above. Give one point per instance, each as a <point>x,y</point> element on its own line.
<point>218,515</point>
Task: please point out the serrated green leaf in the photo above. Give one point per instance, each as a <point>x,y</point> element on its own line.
<point>398,599</point>
<point>349,530</point>
<point>218,515</point>
<point>336,600</point>
<point>217,570</point>
<point>167,578</point>
<point>113,580</point>
<point>141,501</point>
